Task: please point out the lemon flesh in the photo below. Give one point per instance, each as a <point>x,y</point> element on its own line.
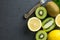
<point>34,24</point>
<point>57,20</point>
<point>54,35</point>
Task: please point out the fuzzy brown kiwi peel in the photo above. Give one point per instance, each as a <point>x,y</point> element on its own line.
<point>27,15</point>
<point>52,8</point>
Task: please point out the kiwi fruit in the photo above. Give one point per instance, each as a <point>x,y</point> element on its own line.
<point>48,24</point>
<point>41,35</point>
<point>41,12</point>
<point>52,9</point>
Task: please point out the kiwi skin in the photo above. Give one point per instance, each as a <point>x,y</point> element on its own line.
<point>49,28</point>
<point>52,9</point>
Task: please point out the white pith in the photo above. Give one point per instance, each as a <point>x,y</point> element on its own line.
<point>48,24</point>
<point>41,36</point>
<point>41,12</point>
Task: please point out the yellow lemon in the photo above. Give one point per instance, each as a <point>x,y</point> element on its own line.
<point>57,20</point>
<point>54,35</point>
<point>34,24</point>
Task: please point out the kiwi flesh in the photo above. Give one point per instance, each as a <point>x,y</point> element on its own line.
<point>41,35</point>
<point>41,12</point>
<point>48,24</point>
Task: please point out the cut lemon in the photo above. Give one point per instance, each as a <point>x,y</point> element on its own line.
<point>57,20</point>
<point>34,24</point>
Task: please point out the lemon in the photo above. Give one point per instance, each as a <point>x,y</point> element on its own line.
<point>54,35</point>
<point>57,20</point>
<point>34,24</point>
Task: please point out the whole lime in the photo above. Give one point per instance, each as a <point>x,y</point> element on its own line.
<point>54,35</point>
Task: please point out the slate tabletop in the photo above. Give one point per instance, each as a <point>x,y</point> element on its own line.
<point>12,24</point>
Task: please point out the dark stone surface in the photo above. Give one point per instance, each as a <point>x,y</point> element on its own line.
<point>12,24</point>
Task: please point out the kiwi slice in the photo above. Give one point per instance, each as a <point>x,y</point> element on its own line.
<point>41,35</point>
<point>41,12</point>
<point>48,24</point>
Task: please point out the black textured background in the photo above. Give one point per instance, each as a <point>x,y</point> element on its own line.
<point>12,24</point>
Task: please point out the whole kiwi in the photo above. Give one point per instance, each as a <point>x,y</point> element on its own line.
<point>52,8</point>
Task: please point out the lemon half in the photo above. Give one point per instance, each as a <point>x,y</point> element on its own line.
<point>57,20</point>
<point>34,24</point>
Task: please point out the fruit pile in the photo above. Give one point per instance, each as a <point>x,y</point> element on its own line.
<point>45,20</point>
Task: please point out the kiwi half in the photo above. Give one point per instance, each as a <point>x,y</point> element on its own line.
<point>48,24</point>
<point>41,35</point>
<point>41,12</point>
